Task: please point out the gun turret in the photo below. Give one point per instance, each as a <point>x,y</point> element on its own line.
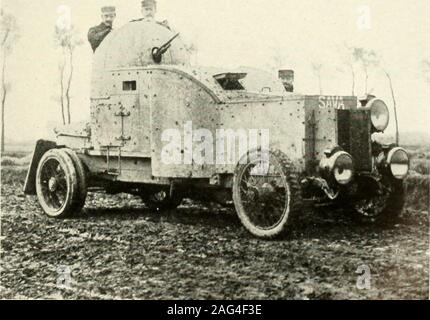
<point>157,52</point>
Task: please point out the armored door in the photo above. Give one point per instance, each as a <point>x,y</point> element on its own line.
<point>111,121</point>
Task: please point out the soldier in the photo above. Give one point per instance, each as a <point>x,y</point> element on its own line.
<point>97,34</point>
<point>149,9</point>
<point>287,78</point>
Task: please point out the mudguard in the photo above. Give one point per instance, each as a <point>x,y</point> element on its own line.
<point>42,146</point>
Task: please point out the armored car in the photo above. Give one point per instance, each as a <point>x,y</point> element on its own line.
<point>164,129</point>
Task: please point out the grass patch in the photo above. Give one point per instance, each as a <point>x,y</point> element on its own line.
<point>7,161</point>
<point>13,175</point>
<point>15,154</point>
<point>417,188</point>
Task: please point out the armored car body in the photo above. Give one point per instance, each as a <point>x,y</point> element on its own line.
<point>164,129</point>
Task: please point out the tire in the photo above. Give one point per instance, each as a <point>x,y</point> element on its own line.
<point>382,210</point>
<point>57,186</point>
<point>161,201</point>
<point>265,196</point>
<point>395,203</point>
<point>82,180</point>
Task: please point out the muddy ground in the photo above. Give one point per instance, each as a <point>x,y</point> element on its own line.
<point>117,248</point>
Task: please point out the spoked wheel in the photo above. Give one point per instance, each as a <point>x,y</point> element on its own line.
<point>57,184</point>
<point>266,192</point>
<point>383,207</point>
<point>162,200</point>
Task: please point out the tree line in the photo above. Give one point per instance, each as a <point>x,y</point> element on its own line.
<point>66,39</point>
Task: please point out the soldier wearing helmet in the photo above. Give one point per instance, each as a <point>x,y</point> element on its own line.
<point>97,34</point>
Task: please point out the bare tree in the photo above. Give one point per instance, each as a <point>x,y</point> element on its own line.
<point>348,60</point>
<point>317,68</point>
<point>384,68</point>
<point>277,60</point>
<point>67,40</point>
<point>8,36</point>
<point>352,70</point>
<point>390,82</point>
<point>367,59</point>
<point>192,50</point>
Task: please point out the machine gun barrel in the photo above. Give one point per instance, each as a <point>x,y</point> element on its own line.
<point>166,46</point>
<point>157,52</point>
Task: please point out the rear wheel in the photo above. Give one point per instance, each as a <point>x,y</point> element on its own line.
<point>57,185</point>
<point>162,200</point>
<point>266,193</point>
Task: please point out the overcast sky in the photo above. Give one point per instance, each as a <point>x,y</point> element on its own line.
<point>232,33</point>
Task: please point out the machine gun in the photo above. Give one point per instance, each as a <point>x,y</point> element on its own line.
<point>157,52</point>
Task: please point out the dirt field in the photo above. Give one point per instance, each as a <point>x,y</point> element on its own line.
<point>119,249</point>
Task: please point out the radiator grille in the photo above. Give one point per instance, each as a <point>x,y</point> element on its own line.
<point>353,135</point>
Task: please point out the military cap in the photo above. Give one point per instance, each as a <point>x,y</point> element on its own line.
<point>108,9</point>
<point>285,73</point>
<point>149,3</point>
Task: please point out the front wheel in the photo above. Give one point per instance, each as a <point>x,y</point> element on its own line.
<point>82,180</point>
<point>266,192</point>
<point>57,184</point>
<point>383,207</point>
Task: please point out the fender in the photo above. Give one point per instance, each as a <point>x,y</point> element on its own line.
<point>42,146</point>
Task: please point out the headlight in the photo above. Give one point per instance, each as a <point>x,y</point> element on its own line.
<point>379,114</point>
<point>398,160</point>
<point>343,168</point>
<point>340,165</point>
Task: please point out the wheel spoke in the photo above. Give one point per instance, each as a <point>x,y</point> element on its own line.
<point>54,184</point>
<point>52,170</point>
<point>371,207</point>
<point>261,198</point>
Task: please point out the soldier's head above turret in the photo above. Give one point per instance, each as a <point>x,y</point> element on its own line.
<point>149,9</point>
<point>108,15</point>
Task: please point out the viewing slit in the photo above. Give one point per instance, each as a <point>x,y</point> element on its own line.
<point>129,85</point>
